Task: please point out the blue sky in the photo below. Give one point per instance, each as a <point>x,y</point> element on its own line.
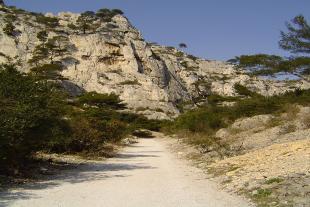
<point>213,29</point>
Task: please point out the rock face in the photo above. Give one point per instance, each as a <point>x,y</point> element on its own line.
<point>114,57</point>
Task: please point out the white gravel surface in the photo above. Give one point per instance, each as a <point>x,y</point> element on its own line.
<point>145,174</point>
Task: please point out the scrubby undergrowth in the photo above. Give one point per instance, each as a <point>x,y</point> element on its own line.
<point>36,114</point>
<point>256,147</point>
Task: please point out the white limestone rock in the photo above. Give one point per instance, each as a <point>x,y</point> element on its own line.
<point>117,59</point>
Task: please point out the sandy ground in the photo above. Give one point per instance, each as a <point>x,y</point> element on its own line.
<point>145,174</point>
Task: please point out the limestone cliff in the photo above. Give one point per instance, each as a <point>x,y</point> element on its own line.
<point>114,57</point>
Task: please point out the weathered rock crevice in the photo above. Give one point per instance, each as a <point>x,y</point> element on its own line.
<point>115,58</point>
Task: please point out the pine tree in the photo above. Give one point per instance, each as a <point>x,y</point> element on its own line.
<point>297,39</point>
<point>85,20</point>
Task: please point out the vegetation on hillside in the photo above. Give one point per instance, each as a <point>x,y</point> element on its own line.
<point>296,41</point>
<point>202,123</point>
<point>37,114</point>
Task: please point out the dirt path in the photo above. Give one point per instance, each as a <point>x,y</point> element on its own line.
<point>143,175</point>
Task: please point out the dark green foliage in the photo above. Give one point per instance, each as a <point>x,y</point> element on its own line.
<point>179,54</point>
<point>182,45</point>
<point>98,123</point>
<point>40,53</point>
<point>296,64</point>
<point>263,60</point>
<point>130,82</point>
<point>194,58</point>
<point>242,90</point>
<point>263,64</point>
<point>35,115</point>
<point>297,39</point>
<point>102,100</point>
<point>54,47</point>
<point>9,29</point>
<point>215,99</point>
<point>90,134</point>
<point>85,21</point>
<point>72,26</point>
<point>3,9</point>
<point>205,120</point>
<point>42,36</point>
<point>106,14</point>
<point>10,18</point>
<point>58,44</point>
<point>117,11</point>
<point>259,64</point>
<point>50,22</point>
<point>210,118</point>
<point>30,115</point>
<point>47,71</point>
<point>17,10</point>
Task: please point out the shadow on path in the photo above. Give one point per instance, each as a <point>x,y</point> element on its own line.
<point>117,167</point>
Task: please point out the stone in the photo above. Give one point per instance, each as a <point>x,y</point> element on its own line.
<point>117,60</point>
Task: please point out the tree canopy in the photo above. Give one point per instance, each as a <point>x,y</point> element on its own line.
<point>182,45</point>
<point>297,39</point>
<point>85,20</point>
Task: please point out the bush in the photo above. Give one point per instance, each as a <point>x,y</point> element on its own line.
<point>200,120</point>
<point>30,116</point>
<point>85,136</point>
<point>263,64</point>
<point>106,14</point>
<point>242,90</point>
<point>47,71</point>
<point>208,119</point>
<point>179,54</point>
<point>72,26</point>
<point>35,115</point>
<point>51,22</point>
<point>9,29</point>
<point>130,82</point>
<point>102,100</point>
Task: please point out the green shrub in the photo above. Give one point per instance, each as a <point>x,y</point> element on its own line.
<point>50,22</point>
<point>179,54</point>
<point>10,18</point>
<point>273,180</point>
<point>117,11</point>
<point>208,119</point>
<point>47,71</point>
<point>30,116</point>
<point>72,26</point>
<point>263,64</point>
<point>192,57</point>
<point>9,29</point>
<point>200,120</point>
<point>215,99</point>
<point>242,90</point>
<point>102,100</point>
<point>130,82</point>
<point>262,193</point>
<point>106,14</point>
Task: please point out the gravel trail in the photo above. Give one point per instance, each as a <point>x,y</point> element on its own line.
<point>145,174</point>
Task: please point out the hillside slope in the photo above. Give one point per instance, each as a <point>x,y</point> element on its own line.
<point>112,56</point>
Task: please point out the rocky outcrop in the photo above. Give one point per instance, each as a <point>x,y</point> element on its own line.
<point>114,58</point>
